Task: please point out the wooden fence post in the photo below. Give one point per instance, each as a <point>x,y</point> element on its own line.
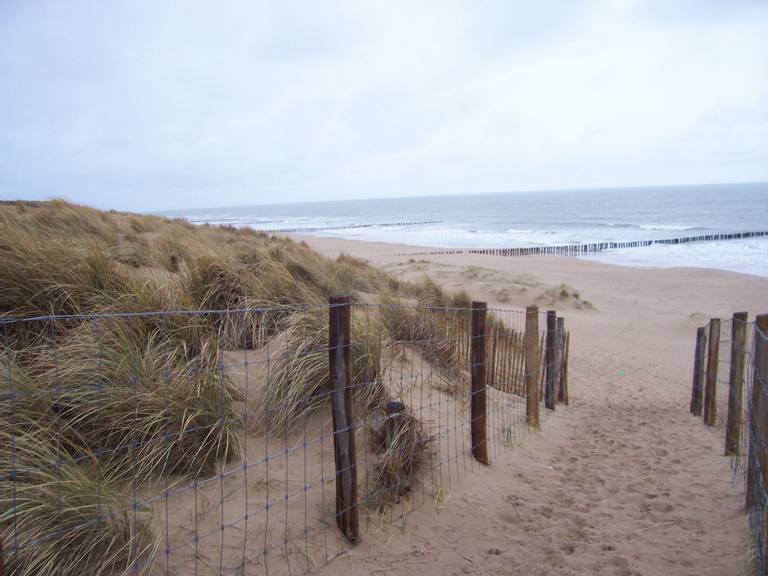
<point>697,391</point>
<point>542,376</point>
<point>736,383</point>
<point>710,386</point>
<point>761,376</point>
<point>340,364</point>
<point>532,366</point>
<point>758,411</point>
<point>565,366</point>
<point>478,408</point>
<point>549,386</point>
<point>560,357</point>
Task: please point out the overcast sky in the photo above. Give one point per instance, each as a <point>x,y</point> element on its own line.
<point>148,104</point>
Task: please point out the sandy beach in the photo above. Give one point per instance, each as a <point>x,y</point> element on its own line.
<point>624,481</point>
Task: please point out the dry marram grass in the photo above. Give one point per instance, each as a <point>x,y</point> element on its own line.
<point>93,404</point>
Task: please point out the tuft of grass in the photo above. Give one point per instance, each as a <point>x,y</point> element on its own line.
<point>441,333</point>
<point>140,401</point>
<point>66,517</point>
<point>403,448</point>
<point>563,294</point>
<point>297,379</point>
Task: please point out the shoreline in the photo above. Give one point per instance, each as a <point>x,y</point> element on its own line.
<point>335,245</point>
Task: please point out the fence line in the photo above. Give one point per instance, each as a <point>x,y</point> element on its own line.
<point>732,385</point>
<point>265,439</point>
<point>588,248</point>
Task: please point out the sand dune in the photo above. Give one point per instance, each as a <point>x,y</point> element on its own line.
<point>622,482</point>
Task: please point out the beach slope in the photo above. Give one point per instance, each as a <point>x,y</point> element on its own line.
<point>624,481</point>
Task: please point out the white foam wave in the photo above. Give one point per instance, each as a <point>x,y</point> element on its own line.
<point>745,257</point>
<point>666,227</point>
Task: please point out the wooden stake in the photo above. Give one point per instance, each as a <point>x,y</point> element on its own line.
<point>761,376</point>
<point>758,412</point>
<point>565,366</point>
<point>736,383</point>
<point>340,364</point>
<point>560,358</point>
<point>478,406</point>
<point>542,364</point>
<point>710,385</point>
<point>491,372</point>
<point>550,360</point>
<point>532,366</point>
<point>506,360</point>
<point>697,391</point>
<point>518,368</point>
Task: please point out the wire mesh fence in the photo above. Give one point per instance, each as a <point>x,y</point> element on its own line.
<point>730,389</point>
<point>214,442</point>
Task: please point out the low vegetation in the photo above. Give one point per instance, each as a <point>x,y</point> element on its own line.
<point>558,295</point>
<point>129,382</point>
<point>403,449</point>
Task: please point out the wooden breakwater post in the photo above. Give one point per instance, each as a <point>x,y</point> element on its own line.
<point>567,249</point>
<point>340,365</point>
<point>531,344</point>
<point>757,463</point>
<point>478,405</point>
<point>736,383</point>
<point>550,360</point>
<point>710,383</point>
<point>697,389</point>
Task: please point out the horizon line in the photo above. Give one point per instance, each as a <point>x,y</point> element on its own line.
<point>450,195</point>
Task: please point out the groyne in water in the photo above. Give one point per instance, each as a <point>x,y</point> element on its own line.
<point>589,248</point>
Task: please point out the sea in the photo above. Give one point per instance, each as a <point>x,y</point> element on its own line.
<point>539,218</point>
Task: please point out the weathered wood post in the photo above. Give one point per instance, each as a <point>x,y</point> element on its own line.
<point>752,440</point>
<point>565,366</point>
<point>531,344</point>
<point>761,376</point>
<point>710,386</point>
<point>697,390</point>
<point>340,364</point>
<point>491,372</point>
<point>542,364</point>
<point>560,357</point>
<point>478,407</point>
<point>736,383</point>
<point>550,360</point>
<point>757,464</point>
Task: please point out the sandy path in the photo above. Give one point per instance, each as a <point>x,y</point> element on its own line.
<point>623,481</point>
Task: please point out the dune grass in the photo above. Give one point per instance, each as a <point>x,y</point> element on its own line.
<point>403,449</point>
<point>109,401</point>
<point>94,403</point>
<point>68,517</point>
<point>297,379</point>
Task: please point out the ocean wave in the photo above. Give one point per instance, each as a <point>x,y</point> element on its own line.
<point>743,256</point>
<point>666,227</point>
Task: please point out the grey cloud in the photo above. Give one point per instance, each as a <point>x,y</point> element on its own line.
<point>150,105</point>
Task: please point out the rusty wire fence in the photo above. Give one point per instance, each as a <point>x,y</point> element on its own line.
<point>255,441</point>
<point>730,392</point>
